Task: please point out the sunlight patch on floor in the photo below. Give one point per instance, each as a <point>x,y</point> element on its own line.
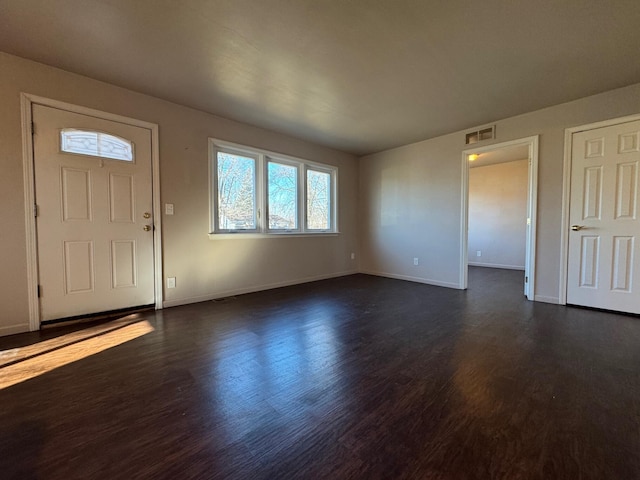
<point>21,364</point>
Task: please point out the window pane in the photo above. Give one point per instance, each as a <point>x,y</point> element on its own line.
<point>283,196</point>
<point>318,200</point>
<point>96,144</point>
<point>236,192</point>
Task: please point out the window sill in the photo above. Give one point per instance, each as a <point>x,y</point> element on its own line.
<point>249,236</point>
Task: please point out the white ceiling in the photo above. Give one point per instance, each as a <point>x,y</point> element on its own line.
<point>357,75</point>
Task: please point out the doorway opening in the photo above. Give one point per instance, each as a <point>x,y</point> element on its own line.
<point>498,228</point>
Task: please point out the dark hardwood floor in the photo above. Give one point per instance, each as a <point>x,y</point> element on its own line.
<point>358,377</point>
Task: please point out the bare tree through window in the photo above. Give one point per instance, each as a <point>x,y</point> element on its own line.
<point>318,200</point>
<point>236,192</point>
<point>283,196</point>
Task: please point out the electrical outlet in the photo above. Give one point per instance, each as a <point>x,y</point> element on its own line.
<point>353,256</point>
<point>171,282</point>
<point>415,260</point>
<point>478,253</point>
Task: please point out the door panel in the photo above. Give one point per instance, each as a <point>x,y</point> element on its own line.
<point>622,264</point>
<point>589,261</point>
<point>603,256</point>
<point>591,198</point>
<point>94,253</point>
<point>79,273</point>
<point>626,184</point>
<point>123,263</point>
<point>76,194</point>
<point>121,198</point>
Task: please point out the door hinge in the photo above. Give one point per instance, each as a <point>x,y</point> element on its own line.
<point>33,128</point>
<point>526,279</point>
<point>39,291</point>
<point>35,210</point>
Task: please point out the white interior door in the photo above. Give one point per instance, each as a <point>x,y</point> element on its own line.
<point>603,241</point>
<point>93,189</point>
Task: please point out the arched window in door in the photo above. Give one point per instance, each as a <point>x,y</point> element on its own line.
<point>96,144</point>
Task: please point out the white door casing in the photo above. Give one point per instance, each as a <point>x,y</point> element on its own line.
<point>94,253</point>
<point>603,250</point>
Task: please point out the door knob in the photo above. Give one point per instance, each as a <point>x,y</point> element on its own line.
<point>575,228</point>
<point>146,228</point>
<point>146,215</point>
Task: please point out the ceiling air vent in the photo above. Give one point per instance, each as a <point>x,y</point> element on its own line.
<point>485,133</point>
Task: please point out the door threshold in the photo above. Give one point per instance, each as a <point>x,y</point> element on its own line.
<point>91,317</point>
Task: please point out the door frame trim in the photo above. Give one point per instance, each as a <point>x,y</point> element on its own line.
<point>26,102</point>
<point>532,207</point>
<point>566,193</point>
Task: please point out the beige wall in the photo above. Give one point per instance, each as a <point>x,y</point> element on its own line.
<point>498,214</point>
<point>411,196</point>
<point>204,268</point>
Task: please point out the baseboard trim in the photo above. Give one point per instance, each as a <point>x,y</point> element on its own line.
<point>544,299</point>
<point>497,265</point>
<point>13,329</point>
<point>426,281</point>
<point>253,289</point>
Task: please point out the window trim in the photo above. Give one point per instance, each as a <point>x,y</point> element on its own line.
<point>262,158</point>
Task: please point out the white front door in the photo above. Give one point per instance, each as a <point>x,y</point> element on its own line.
<point>94,222</point>
<point>604,255</point>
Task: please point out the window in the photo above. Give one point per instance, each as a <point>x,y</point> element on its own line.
<point>254,191</point>
<point>282,199</point>
<point>236,191</point>
<point>318,200</point>
<point>95,144</point>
